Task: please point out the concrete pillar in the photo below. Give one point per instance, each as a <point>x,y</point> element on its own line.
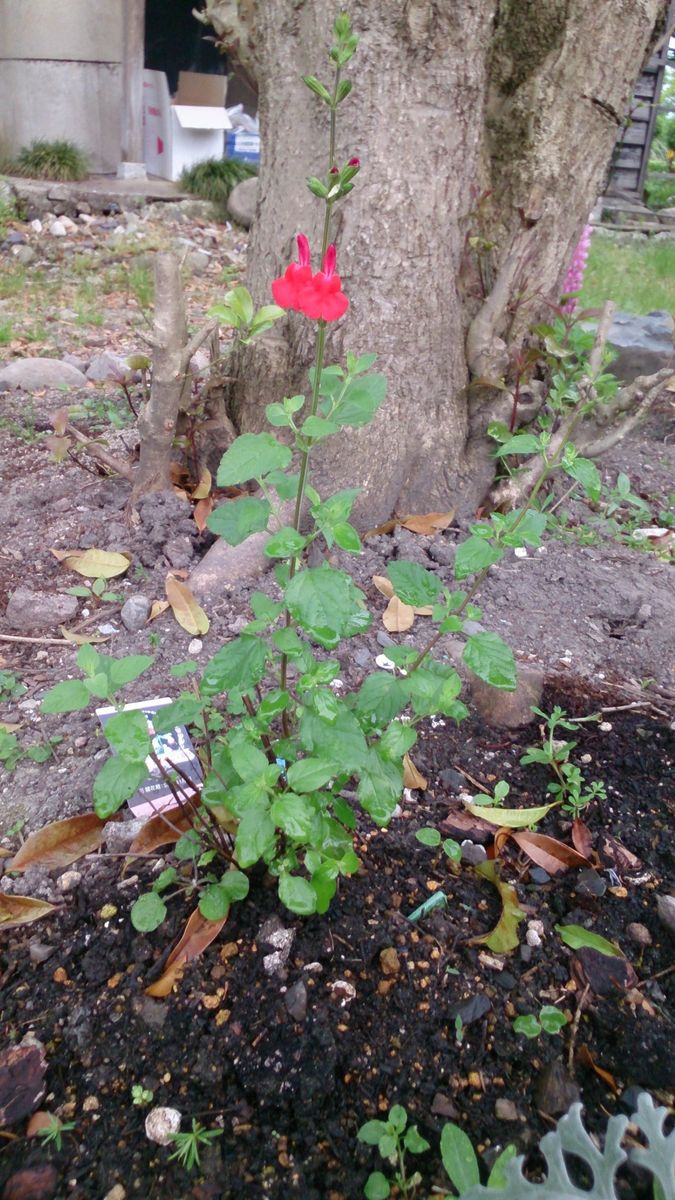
<point>132,165</point>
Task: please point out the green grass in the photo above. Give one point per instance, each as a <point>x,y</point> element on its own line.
<point>49,160</point>
<point>638,276</point>
<point>214,179</point>
<point>660,193</point>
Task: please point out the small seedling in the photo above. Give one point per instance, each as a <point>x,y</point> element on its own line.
<point>188,1144</point>
<point>52,1134</point>
<point>431,837</point>
<point>394,1141</point>
<point>550,1020</point>
<point>10,686</point>
<point>459,1030</point>
<point>141,1096</point>
<point>98,592</point>
<point>570,787</point>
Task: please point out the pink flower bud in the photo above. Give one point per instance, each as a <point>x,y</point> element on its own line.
<point>354,162</point>
<point>304,255</point>
<point>329,261</point>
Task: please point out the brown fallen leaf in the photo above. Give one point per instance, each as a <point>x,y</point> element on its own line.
<point>397,616</point>
<point>22,1072</point>
<point>61,843</point>
<point>553,856</point>
<point>158,607</point>
<point>201,491</point>
<point>33,1183</point>
<point>618,856</point>
<point>160,830</point>
<point>583,1055</point>
<point>186,610</point>
<point>387,527</point>
<point>198,934</point>
<point>93,563</point>
<point>202,511</point>
<point>462,824</point>
<point>411,776</point>
<point>82,639</point>
<point>581,837</point>
<point>21,910</point>
<point>605,975</point>
<point>428,523</point>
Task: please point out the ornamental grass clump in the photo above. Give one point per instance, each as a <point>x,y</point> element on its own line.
<point>59,160</point>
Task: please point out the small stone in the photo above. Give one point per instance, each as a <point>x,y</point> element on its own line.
<point>442,1106</point>
<point>68,881</point>
<point>343,991</point>
<point>24,254</point>
<point>532,938</point>
<point>108,367</point>
<point>555,1091</point>
<point>195,646</point>
<point>472,852</point>
<point>452,779</point>
<point>57,229</point>
<point>29,611</point>
<point>161,1124</point>
<point>116,1192</point>
<point>118,835</point>
<point>505,1110</point>
<point>135,612</point>
<point>666,911</point>
<point>509,709</point>
<point>90,1104</point>
<point>639,934</point>
<point>390,963</point>
<point>296,1001</point>
<point>589,883</point>
<point>36,225</point>
<point>198,261</point>
<point>383,639</point>
<point>539,875</point>
<point>38,952</point>
<point>506,980</point>
<point>33,374</point>
<point>32,1183</point>
<point>241,204</point>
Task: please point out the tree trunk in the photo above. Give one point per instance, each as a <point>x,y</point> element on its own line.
<point>484,129</point>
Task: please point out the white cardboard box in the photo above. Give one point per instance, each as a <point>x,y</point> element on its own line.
<point>188,130</point>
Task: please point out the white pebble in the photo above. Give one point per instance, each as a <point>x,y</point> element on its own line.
<point>195,646</point>
<point>161,1124</point>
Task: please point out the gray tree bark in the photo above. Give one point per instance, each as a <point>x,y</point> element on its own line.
<point>486,119</point>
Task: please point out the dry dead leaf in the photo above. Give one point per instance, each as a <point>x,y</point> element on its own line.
<point>553,856</point>
<point>186,610</point>
<point>93,563</point>
<point>581,837</point>
<point>82,639</point>
<point>61,843</point>
<point>22,1072</point>
<point>202,512</point>
<point>59,419</point>
<point>160,830</point>
<point>411,776</point>
<point>201,491</point>
<point>158,607</point>
<point>21,910</point>
<point>198,934</point>
<point>397,616</point>
<point>428,523</point>
<point>384,585</point>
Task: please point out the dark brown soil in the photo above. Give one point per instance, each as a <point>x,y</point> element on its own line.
<point>290,1093</point>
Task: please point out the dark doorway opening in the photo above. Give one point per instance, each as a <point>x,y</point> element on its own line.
<point>176,41</point>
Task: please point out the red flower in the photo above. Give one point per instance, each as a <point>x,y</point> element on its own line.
<point>322,297</point>
<point>286,289</point>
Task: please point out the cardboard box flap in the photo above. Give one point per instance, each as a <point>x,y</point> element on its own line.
<point>201,116</point>
<point>197,88</point>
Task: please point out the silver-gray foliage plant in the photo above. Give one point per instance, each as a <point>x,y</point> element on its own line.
<point>570,1137</point>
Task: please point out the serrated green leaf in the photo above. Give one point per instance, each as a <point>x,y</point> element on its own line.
<point>125,670</point>
<point>297,894</point>
<point>88,659</point>
<point>414,1142</point>
<point>528,1025</point>
<point>240,664</point>
<point>128,734</point>
<point>361,400</point>
<point>323,601</point>
<point>318,428</point>
<point>285,543</point>
<point>347,537</point>
<point>382,696</point>
<point>377,1187</point>
<point>475,554</point>
<point>380,786</point>
<point>491,659</point>
<point>115,783</point>
<point>587,474</point>
<point>68,696</point>
<point>309,774</point>
<point>413,584</point>
<point>236,520</point>
<point>251,456</point>
<point>521,443</point>
<point>294,815</point>
<point>256,836</point>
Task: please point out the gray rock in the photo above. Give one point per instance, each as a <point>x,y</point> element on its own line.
<point>555,1091</point>
<point>198,261</point>
<point>589,883</point>
<point>25,255</point>
<point>242,202</point>
<point>57,229</point>
<point>179,551</point>
<point>135,612</point>
<point>28,610</point>
<point>296,1001</point>
<point>442,552</point>
<point>505,1110</point>
<point>15,238</point>
<point>107,366</point>
<point>666,910</point>
<point>39,952</point>
<point>118,835</point>
<point>643,344</point>
<point>31,374</point>
<point>509,709</point>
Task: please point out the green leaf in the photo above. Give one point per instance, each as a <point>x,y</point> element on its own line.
<point>286,486</point>
<point>294,815</point>
<point>497,1176</point>
<point>412,584</point>
<point>434,689</point>
<point>489,657</point>
<point>250,457</point>
<point>239,300</point>
<point>286,543</point>
<point>452,849</point>
<point>264,608</point>
<point>380,786</point>
<point>297,894</point>
<point>387,1145</point>
<point>475,554</point>
<point>587,474</point>
<point>510,818</point>
<point>148,912</point>
<point>322,601</point>
<point>214,903</point>
<point>265,317</point>
<point>428,836</point>
<point>248,760</point>
<point>125,670</point>
<point>180,670</point>
<point>575,936</point>
<point>344,88</point>
<point>361,400</point>
<point>317,428</point>
<point>98,685</point>
<point>240,664</point>
<point>527,1025</point>
<point>522,443</point>
<point>188,847</point>
<point>308,774</point>
<point>184,711</point>
<point>275,702</point>
<point>377,1187</point>
<point>88,659</point>
<point>529,531</point>
<point>341,740</point>
<point>347,537</point>
<point>277,416</point>
<point>552,1019</point>
<point>381,697</point>
<point>236,520</point>
<point>459,1158</point>
<point>256,836</point>
<point>165,879</point>
<point>414,1142</point>
<point>127,733</point>
<point>116,782</point>
<point>398,1118</point>
<point>319,90</point>
<point>397,739</point>
<point>68,696</point>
